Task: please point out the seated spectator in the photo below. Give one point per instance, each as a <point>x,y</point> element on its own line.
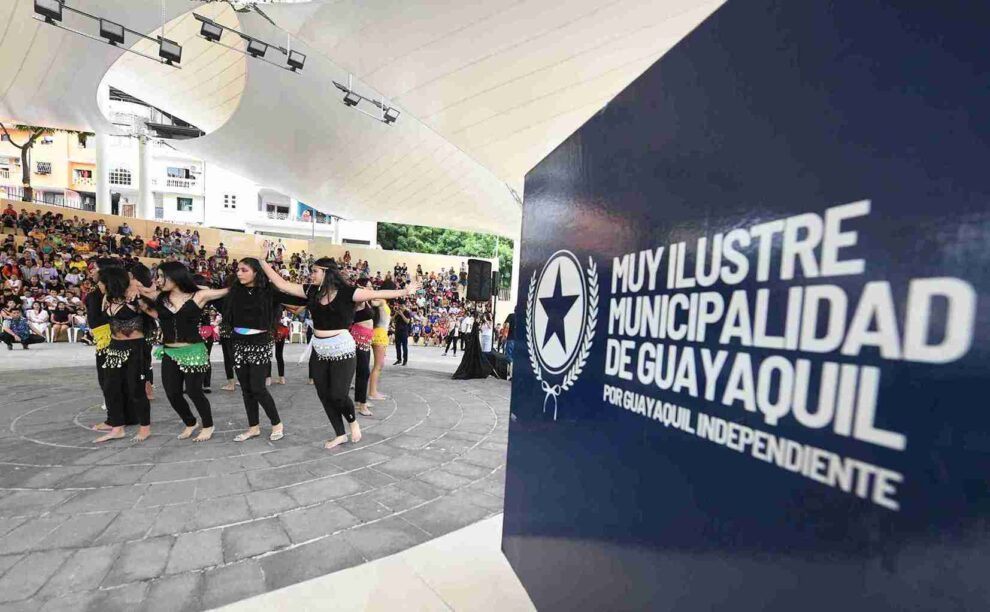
<point>38,320</point>
<point>61,321</point>
<point>124,229</point>
<point>222,252</point>
<point>15,329</point>
<point>153,246</point>
<point>77,263</point>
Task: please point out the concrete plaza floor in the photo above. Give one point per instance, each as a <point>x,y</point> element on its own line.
<point>172,525</point>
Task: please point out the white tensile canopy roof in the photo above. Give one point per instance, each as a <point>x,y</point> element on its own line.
<point>486,90</point>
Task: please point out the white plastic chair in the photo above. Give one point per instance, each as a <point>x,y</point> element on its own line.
<point>296,328</point>
<point>73,334</point>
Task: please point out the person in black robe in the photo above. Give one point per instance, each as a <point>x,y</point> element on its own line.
<point>473,363</point>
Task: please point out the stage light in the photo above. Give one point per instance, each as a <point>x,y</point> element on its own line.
<point>390,115</point>
<point>113,32</point>
<point>210,30</point>
<point>51,10</point>
<point>296,60</point>
<point>256,48</point>
<point>351,98</point>
<point>169,50</point>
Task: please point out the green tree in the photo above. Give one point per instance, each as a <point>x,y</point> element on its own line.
<point>34,133</point>
<point>435,240</point>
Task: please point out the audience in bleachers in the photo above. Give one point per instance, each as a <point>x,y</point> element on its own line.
<point>45,282</point>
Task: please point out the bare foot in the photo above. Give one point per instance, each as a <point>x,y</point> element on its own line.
<point>102,427</point>
<point>229,386</point>
<point>187,432</point>
<point>363,411</point>
<point>378,396</point>
<point>309,382</point>
<point>253,432</point>
<point>115,434</point>
<point>276,434</point>
<point>144,432</point>
<point>281,380</point>
<point>204,434</point>
<point>149,390</point>
<point>355,432</point>
<point>335,442</point>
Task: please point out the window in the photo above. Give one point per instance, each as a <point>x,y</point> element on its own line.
<point>120,176</point>
<point>83,174</point>
<point>229,201</point>
<point>47,140</point>
<point>43,167</point>
<point>180,173</point>
<point>183,204</point>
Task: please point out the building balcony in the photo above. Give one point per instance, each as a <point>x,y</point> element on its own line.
<point>288,224</point>
<point>177,184</point>
<point>84,183</point>
<point>4,174</point>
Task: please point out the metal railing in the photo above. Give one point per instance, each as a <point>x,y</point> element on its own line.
<point>83,181</point>
<point>181,183</point>
<point>4,173</point>
<point>44,197</point>
<point>504,294</point>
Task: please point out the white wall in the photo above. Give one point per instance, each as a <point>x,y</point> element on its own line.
<point>171,212</point>
<point>226,213</point>
<point>366,231</point>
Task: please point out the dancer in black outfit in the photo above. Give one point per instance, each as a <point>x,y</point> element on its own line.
<point>363,331</point>
<point>99,325</point>
<point>179,306</point>
<point>141,275</point>
<point>248,313</point>
<point>331,302</point>
<point>124,367</point>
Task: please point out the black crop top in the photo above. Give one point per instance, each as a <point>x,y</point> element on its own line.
<point>338,314</point>
<point>249,313</point>
<point>365,314</point>
<point>125,320</point>
<point>181,326</point>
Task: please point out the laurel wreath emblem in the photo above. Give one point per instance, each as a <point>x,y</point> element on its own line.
<point>591,323</point>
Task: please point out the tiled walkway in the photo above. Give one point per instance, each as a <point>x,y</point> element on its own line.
<point>173,525</point>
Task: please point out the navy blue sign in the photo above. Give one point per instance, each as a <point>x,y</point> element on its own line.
<point>753,333</point>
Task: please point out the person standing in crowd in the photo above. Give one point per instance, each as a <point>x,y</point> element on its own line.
<point>485,334</point>
<point>401,325</point>
<point>453,331</point>
<point>467,323</point>
<point>379,342</point>
<point>331,301</point>
<point>363,332</point>
<point>179,305</point>
<point>123,363</point>
<point>249,312</point>
<point>281,335</point>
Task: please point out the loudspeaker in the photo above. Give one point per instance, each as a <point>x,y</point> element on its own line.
<point>479,281</point>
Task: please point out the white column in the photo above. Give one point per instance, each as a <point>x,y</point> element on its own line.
<point>146,199</point>
<point>103,204</point>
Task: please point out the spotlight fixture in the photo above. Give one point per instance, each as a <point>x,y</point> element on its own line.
<point>386,115</point>
<point>256,48</point>
<point>51,10</point>
<point>210,30</point>
<point>351,99</point>
<point>296,60</point>
<point>110,32</point>
<point>169,50</point>
<point>113,32</point>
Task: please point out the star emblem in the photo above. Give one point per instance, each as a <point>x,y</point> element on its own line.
<point>557,306</point>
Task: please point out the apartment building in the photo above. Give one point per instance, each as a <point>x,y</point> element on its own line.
<point>66,171</point>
